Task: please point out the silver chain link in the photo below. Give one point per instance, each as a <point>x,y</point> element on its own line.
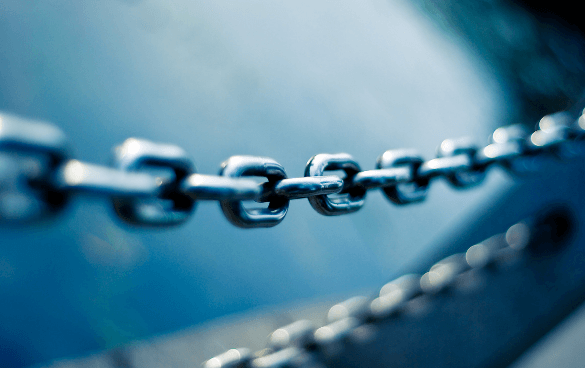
<point>156,184</point>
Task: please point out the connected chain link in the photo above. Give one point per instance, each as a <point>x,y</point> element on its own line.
<point>302,344</point>
<point>156,184</point>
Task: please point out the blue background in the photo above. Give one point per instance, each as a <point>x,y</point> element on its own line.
<point>283,80</point>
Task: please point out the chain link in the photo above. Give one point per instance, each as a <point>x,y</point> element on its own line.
<point>303,345</point>
<point>156,184</point>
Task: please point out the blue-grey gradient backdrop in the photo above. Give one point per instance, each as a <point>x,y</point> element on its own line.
<point>285,80</point>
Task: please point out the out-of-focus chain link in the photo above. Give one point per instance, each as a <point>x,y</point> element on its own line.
<point>302,344</point>
<point>156,184</point>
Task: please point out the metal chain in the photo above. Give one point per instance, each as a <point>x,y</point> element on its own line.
<point>301,344</point>
<point>156,184</point>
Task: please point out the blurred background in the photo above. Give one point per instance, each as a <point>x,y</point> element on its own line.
<point>285,80</point>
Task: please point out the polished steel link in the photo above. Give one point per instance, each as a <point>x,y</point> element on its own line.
<point>234,210</point>
<point>156,184</point>
<point>517,138</point>
<point>444,166</point>
<point>211,187</point>
<point>80,176</point>
<point>353,196</point>
<point>170,207</point>
<point>297,188</point>
<point>414,190</point>
<point>499,153</point>
<point>463,178</point>
<point>382,178</point>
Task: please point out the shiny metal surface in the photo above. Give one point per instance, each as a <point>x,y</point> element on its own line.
<point>297,188</point>
<point>298,333</point>
<point>514,151</point>
<point>233,358</point>
<point>502,153</point>
<point>335,331</point>
<point>171,207</point>
<point>235,212</point>
<point>446,167</point>
<point>352,198</point>
<point>37,186</point>
<point>77,176</point>
<point>262,121</point>
<point>463,178</point>
<point>381,178</point>
<point>404,193</point>
<point>211,187</point>
<point>352,307</point>
<point>287,358</point>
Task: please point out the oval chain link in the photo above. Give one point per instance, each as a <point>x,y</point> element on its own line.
<point>156,184</point>
<point>301,344</point>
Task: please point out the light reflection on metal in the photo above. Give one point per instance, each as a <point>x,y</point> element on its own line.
<point>353,197</point>
<point>287,358</point>
<point>444,166</point>
<point>233,358</point>
<point>404,193</point>
<point>387,304</point>
<point>305,187</point>
<point>211,187</point>
<point>299,333</point>
<point>463,177</point>
<point>482,254</point>
<point>234,210</point>
<point>80,176</point>
<point>382,178</point>
<point>34,159</point>
<point>499,152</point>
<point>353,307</point>
<point>168,208</point>
<point>409,284</point>
<point>335,332</point>
<point>443,273</point>
<point>518,236</point>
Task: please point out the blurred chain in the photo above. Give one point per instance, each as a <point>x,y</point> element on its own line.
<point>156,184</point>
<point>301,344</point>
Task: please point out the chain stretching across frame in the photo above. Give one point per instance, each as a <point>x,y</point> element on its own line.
<point>37,178</point>
<point>37,174</point>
